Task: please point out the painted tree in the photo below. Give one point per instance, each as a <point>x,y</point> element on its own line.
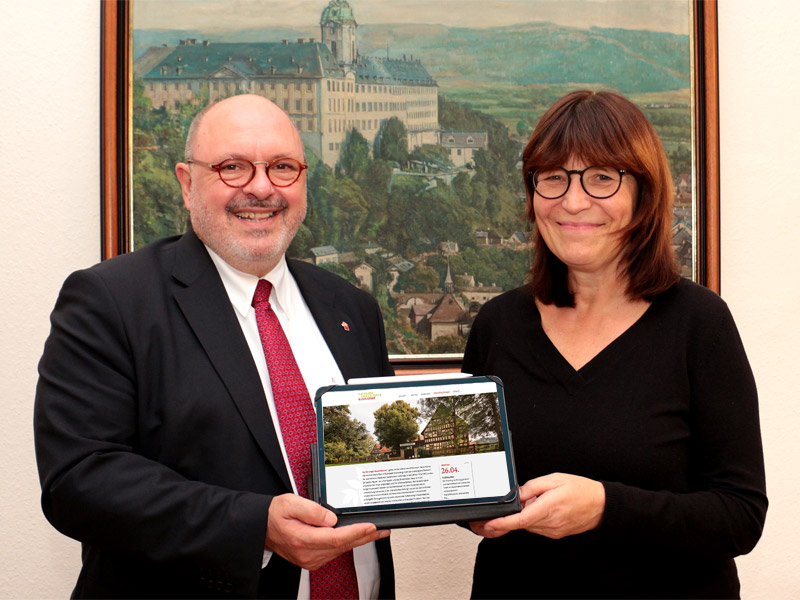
<point>418,279</point>
<point>158,143</point>
<point>319,217</point>
<point>354,157</point>
<point>376,189</point>
<point>350,209</point>
<point>392,141</point>
<point>432,156</point>
<point>405,216</point>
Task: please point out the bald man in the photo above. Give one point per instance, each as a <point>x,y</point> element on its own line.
<point>159,443</point>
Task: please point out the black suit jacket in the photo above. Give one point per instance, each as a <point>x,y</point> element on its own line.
<point>153,436</point>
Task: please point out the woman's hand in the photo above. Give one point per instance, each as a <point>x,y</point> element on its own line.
<point>555,506</point>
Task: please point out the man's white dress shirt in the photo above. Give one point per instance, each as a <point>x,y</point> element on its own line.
<point>316,364</point>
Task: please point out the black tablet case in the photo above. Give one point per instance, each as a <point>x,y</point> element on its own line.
<point>418,516</point>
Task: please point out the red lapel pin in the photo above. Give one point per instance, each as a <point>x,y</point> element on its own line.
<point>345,326</point>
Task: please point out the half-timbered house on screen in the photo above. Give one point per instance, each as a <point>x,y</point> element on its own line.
<point>443,432</point>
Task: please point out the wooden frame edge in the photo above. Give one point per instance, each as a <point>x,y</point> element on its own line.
<point>707,112</point>
<point>114,118</point>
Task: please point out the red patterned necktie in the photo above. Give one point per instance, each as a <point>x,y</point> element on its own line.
<point>298,422</point>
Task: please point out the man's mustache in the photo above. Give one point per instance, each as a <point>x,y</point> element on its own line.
<point>245,203</point>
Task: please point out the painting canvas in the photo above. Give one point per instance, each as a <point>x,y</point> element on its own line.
<point>413,116</point>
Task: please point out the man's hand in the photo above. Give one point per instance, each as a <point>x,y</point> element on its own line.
<point>301,531</point>
<point>555,506</point>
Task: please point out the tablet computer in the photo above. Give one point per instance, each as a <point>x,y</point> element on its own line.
<point>407,452</point>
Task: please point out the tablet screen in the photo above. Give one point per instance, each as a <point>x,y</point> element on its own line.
<point>413,444</point>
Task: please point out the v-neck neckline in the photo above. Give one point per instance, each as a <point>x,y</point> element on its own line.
<point>574,379</point>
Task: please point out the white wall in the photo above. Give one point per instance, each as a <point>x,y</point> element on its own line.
<point>49,226</point>
<point>49,217</point>
<point>760,129</point>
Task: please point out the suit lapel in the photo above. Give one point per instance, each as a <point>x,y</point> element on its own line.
<point>205,304</point>
<point>330,319</point>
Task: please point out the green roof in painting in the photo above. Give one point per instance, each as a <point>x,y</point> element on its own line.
<point>392,70</point>
<point>206,60</point>
<point>338,11</point>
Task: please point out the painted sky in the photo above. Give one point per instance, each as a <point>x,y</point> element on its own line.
<point>225,15</point>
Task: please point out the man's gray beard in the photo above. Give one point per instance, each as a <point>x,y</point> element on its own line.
<point>228,247</point>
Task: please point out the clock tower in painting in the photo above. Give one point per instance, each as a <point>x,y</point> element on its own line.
<point>338,27</point>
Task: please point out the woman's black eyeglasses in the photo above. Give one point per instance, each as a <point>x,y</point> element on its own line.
<point>598,182</point>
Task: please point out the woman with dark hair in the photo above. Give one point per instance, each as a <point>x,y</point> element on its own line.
<point>632,405</point>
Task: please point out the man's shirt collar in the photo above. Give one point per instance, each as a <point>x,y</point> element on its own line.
<point>242,286</point>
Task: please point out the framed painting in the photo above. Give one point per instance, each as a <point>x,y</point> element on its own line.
<point>413,115</point>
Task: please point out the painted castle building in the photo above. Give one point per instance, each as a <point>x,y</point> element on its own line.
<point>327,87</point>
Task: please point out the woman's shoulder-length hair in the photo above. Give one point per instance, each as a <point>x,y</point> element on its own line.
<point>605,129</point>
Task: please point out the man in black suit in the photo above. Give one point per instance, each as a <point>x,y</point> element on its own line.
<point>156,436</point>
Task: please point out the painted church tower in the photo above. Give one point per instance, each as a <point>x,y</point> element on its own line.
<point>338,27</point>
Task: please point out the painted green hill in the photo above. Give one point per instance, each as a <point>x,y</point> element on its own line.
<point>540,53</point>
<point>528,54</point>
